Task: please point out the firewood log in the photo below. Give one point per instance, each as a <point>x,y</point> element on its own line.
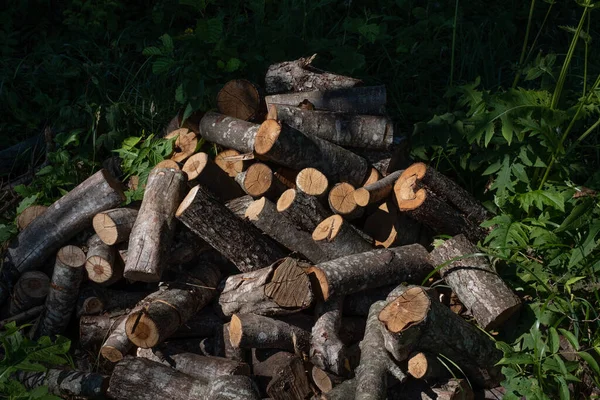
<point>452,389</point>
<point>326,348</point>
<point>312,182</point>
<point>94,299</point>
<point>263,214</point>
<point>258,180</point>
<point>185,144</point>
<point>30,291</point>
<point>229,161</point>
<point>241,242</point>
<point>324,380</point>
<point>229,350</point>
<point>415,320</point>
<point>280,289</point>
<point>153,230</point>
<point>240,205</point>
<point>230,387</point>
<point>290,148</point>
<point>305,211</point>
<point>341,201</point>
<point>29,214</point>
<point>240,99</point>
<point>24,316</point>
<point>285,375</point>
<point>114,226</point>
<point>368,100</point>
<point>95,329</point>
<point>373,176</point>
<point>228,132</point>
<point>102,264</point>
<point>389,227</point>
<point>300,76</point>
<point>64,291</point>
<point>478,287</point>
<point>200,169</point>
<point>348,130</point>
<point>426,366</point>
<point>356,272</point>
<point>339,238</point>
<point>377,191</point>
<point>259,332</point>
<point>344,391</point>
<point>65,383</point>
<point>358,304</point>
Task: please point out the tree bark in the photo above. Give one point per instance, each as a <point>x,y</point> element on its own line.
<point>358,304</point>
<point>241,242</point>
<point>287,146</point>
<point>341,201</point>
<point>64,291</point>
<point>312,182</point>
<point>240,99</point>
<point>300,76</point>
<point>28,215</point>
<point>66,384</point>
<point>348,130</point>
<point>240,205</point>
<point>338,238</point>
<point>326,348</point>
<point>368,100</point>
<point>102,264</point>
<point>154,227</point>
<point>229,350</point>
<point>304,210</point>
<point>228,132</point>
<point>94,330</point>
<point>114,226</point>
<point>258,180</point>
<point>232,387</point>
<point>377,191</point>
<point>230,162</point>
<point>202,170</point>
<point>283,375</point>
<point>30,291</point>
<point>475,283</point>
<point>372,269</point>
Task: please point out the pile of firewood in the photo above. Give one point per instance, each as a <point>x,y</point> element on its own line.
<point>289,266</point>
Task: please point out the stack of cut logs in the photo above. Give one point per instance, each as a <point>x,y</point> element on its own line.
<point>288,266</point>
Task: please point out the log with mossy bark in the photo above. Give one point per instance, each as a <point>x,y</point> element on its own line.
<point>258,180</point>
<point>201,170</point>
<point>229,132</point>
<point>284,145</point>
<point>114,226</point>
<point>103,265</point>
<point>476,284</point>
<point>305,211</point>
<point>30,291</point>
<point>154,227</point>
<point>66,383</point>
<point>239,241</point>
<point>241,99</point>
<point>339,238</point>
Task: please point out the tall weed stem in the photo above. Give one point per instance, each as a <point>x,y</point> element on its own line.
<point>527,31</point>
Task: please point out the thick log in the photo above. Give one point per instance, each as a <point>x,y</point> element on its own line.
<point>263,214</point>
<point>438,209</point>
<point>375,363</point>
<point>282,374</point>
<point>154,227</point>
<point>94,330</point>
<point>185,144</point>
<point>280,289</point>
<point>477,285</point>
<point>415,320</point>
<point>348,130</point>
<point>28,215</point>
<point>64,291</point>
<point>339,238</point>
<point>240,205</point>
<point>114,226</point>
<point>240,99</point>
<point>305,211</point>
<point>202,170</point>
<point>258,180</point>
<point>173,307</point>
<point>23,317</point>
<point>230,162</point>
<point>170,164</point>
<point>229,132</point>
<point>377,191</point>
<point>241,242</point>
<point>372,269</point>
<point>312,182</point>
<point>66,384</point>
<point>287,146</point>
<point>251,331</point>
<point>102,264</point>
<point>94,299</point>
<point>326,348</point>
<point>341,201</point>
<point>452,389</point>
<point>368,100</point>
<point>426,366</point>
<point>300,76</point>
<point>30,291</point>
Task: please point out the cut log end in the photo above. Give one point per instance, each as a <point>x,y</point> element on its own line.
<point>111,353</point>
<point>194,165</point>
<point>141,330</point>
<point>71,256</point>
<point>114,226</point>
<point>187,201</point>
<point>372,177</point>
<point>406,310</point>
<point>266,136</point>
<point>169,164</point>
<point>328,228</point>
<point>28,215</point>
<point>255,209</point>
<point>98,269</point>
<point>341,199</point>
<point>361,197</point>
<point>321,379</point>
<point>290,286</point>
<point>185,144</point>
<point>231,166</point>
<point>240,99</point>
<point>312,182</point>
<point>417,365</point>
<point>404,188</point>
<point>321,280</point>
<point>235,331</point>
<point>286,200</point>
<point>258,179</point>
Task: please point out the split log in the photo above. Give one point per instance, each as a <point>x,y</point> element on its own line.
<point>287,176</point>
<point>339,238</point>
<point>30,291</point>
<point>94,330</point>
<point>238,240</point>
<point>114,226</point>
<point>258,180</point>
<point>185,144</point>
<point>453,389</point>
<point>287,146</point>
<point>240,99</point>
<point>28,215</point>
<point>377,191</point>
<point>228,161</point>
<point>280,289</point>
<point>228,132</point>
<point>173,307</point>
<point>102,264</point>
<point>283,375</point>
<point>23,317</point>
<point>367,100</point>
<point>448,210</point>
<point>389,227</point>
<point>477,285</point>
<point>375,362</point>
<point>197,366</point>
<point>153,230</point>
<point>304,210</point>
<point>341,201</point>
<point>64,291</point>
<point>415,320</point>
<point>263,214</point>
<point>251,331</point>
<point>326,349</point>
<point>240,205</point>
<point>301,76</point>
<point>202,170</point>
<point>348,130</point>
<point>66,384</point>
<point>426,366</point>
<point>312,182</point>
<point>356,272</point>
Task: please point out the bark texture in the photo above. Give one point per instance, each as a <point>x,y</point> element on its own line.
<point>229,132</point>
<point>240,205</point>
<point>326,348</point>
<point>338,238</point>
<point>377,191</point>
<point>65,383</point>
<point>258,332</point>
<point>282,374</point>
<point>305,211</point>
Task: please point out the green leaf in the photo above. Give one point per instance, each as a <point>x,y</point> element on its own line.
<point>26,202</point>
<point>554,340</point>
<point>590,361</point>
<point>48,169</point>
<point>167,42</point>
<point>507,234</point>
<point>570,337</point>
<point>180,96</point>
<point>492,169</point>
<point>162,65</point>
<point>584,249</point>
<point>503,183</point>
<point>507,128</point>
<point>516,359</point>
<point>489,133</point>
<point>563,387</point>
<point>232,65</point>
<point>152,51</point>
<point>578,216</point>
<point>541,198</point>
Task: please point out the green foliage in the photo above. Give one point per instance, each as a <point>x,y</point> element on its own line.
<point>23,354</point>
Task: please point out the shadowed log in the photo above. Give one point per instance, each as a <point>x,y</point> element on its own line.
<point>251,331</point>
<point>373,176</point>
<point>258,180</point>
<point>184,146</point>
<point>23,317</point>
<point>95,329</point>
<point>453,389</point>
<point>287,176</point>
<point>114,226</point>
<point>339,238</point>
<point>30,291</point>
<point>202,170</point>
<point>326,349</point>
<point>377,191</point>
<point>389,227</point>
<point>28,215</point>
<point>240,99</point>
<point>102,264</point>
<point>66,384</point>
<point>426,366</point>
<point>229,132</point>
<point>304,210</point>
